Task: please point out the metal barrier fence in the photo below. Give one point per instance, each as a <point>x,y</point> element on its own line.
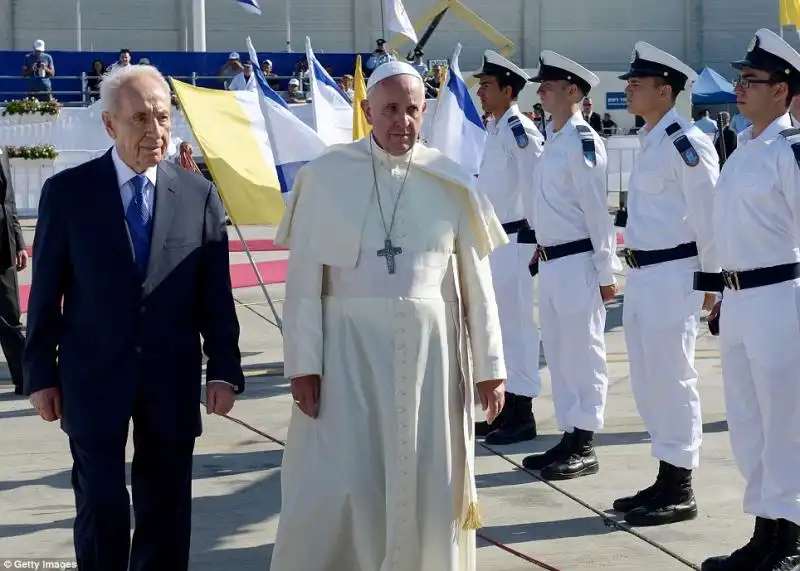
<point>83,95</point>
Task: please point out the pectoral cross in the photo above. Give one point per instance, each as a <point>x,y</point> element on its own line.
<point>389,252</point>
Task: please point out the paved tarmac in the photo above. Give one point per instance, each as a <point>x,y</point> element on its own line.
<point>237,474</point>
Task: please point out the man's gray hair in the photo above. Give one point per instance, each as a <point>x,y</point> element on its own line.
<point>118,75</point>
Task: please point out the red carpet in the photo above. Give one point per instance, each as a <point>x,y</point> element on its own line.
<point>258,245</point>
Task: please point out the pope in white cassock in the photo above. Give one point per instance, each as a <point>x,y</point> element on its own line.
<point>390,317</point>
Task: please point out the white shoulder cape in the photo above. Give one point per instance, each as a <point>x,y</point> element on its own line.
<point>325,216</point>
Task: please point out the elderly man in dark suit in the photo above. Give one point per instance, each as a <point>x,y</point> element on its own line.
<point>13,259</point>
<point>136,247</point>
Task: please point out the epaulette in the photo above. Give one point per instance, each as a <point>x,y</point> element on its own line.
<point>683,144</point>
<point>518,129</point>
<point>587,142</point>
<point>793,136</point>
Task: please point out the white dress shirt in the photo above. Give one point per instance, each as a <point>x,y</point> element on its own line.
<point>569,200</point>
<point>757,206</point>
<point>241,83</point>
<point>669,202</point>
<point>506,173</point>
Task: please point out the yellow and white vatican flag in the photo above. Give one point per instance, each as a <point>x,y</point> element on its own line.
<point>232,134</point>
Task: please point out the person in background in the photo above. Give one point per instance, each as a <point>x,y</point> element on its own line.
<point>739,122</point>
<point>94,77</point>
<point>706,124</point>
<point>245,81</point>
<point>609,126</point>
<point>418,62</point>
<point>230,69</point>
<point>293,94</point>
<point>434,83</point>
<point>379,57</point>
<point>269,75</point>
<point>39,68</point>
<point>347,85</point>
<point>13,259</point>
<point>591,117</point>
<point>725,139</point>
<point>125,58</point>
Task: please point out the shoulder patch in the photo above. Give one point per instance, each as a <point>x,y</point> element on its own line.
<point>518,129</point>
<point>793,136</point>
<point>683,144</point>
<point>587,143</point>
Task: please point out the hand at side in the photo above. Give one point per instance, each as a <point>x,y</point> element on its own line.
<point>305,392</point>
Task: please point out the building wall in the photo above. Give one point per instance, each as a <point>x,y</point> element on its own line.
<point>598,33</point>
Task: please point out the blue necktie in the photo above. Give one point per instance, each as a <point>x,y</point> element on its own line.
<point>139,217</point>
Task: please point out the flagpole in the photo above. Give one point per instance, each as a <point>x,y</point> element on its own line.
<point>383,20</point>
<point>253,263</point>
<point>288,26</point>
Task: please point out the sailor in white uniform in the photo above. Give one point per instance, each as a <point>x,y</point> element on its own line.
<point>668,238</point>
<point>512,150</point>
<point>576,257</point>
<point>757,232</point>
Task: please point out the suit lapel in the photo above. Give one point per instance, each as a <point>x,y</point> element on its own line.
<point>165,204</point>
<point>110,200</point>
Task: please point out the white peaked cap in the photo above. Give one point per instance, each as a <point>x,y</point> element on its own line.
<point>496,65</point>
<point>554,66</point>
<point>649,61</point>
<point>390,69</point>
<point>769,52</point>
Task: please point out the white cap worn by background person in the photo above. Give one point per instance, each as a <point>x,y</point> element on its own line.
<point>38,45</point>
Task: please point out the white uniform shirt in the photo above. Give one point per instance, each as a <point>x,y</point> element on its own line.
<point>669,202</point>
<point>507,169</point>
<point>569,199</point>
<point>757,207</point>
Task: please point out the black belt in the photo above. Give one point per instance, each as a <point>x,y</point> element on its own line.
<point>621,218</point>
<point>550,253</point>
<point>525,234</point>
<point>642,258</point>
<point>746,279</point>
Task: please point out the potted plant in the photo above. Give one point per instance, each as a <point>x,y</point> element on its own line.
<point>31,110</point>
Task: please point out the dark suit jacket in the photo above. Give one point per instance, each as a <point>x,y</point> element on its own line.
<point>725,144</point>
<point>595,122</point>
<point>120,347</point>
<point>13,241</point>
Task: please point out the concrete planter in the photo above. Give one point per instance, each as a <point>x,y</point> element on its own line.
<point>28,176</point>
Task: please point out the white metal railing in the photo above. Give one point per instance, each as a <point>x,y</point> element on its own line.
<point>78,135</point>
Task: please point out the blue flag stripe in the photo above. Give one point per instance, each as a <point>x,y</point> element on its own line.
<point>323,76</point>
<point>287,173</point>
<point>465,103</point>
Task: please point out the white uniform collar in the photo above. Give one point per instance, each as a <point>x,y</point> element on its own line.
<point>771,132</point>
<point>513,110</point>
<point>575,119</point>
<point>126,173</point>
<point>660,129</point>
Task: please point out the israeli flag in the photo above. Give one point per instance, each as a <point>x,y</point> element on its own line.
<point>458,130</point>
<point>293,142</point>
<point>250,6</point>
<point>333,111</point>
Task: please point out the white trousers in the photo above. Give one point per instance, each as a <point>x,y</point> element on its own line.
<point>573,335</point>
<point>760,339</point>
<point>661,317</point>
<point>513,287</point>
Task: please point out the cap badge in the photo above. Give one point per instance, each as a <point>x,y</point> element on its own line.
<point>634,55</point>
<point>753,44</point>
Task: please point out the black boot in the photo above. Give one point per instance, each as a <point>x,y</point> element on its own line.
<point>675,502</point>
<point>518,425</point>
<point>558,452</point>
<point>483,428</point>
<point>785,554</point>
<point>751,554</point>
<point>581,460</point>
<point>640,498</point>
